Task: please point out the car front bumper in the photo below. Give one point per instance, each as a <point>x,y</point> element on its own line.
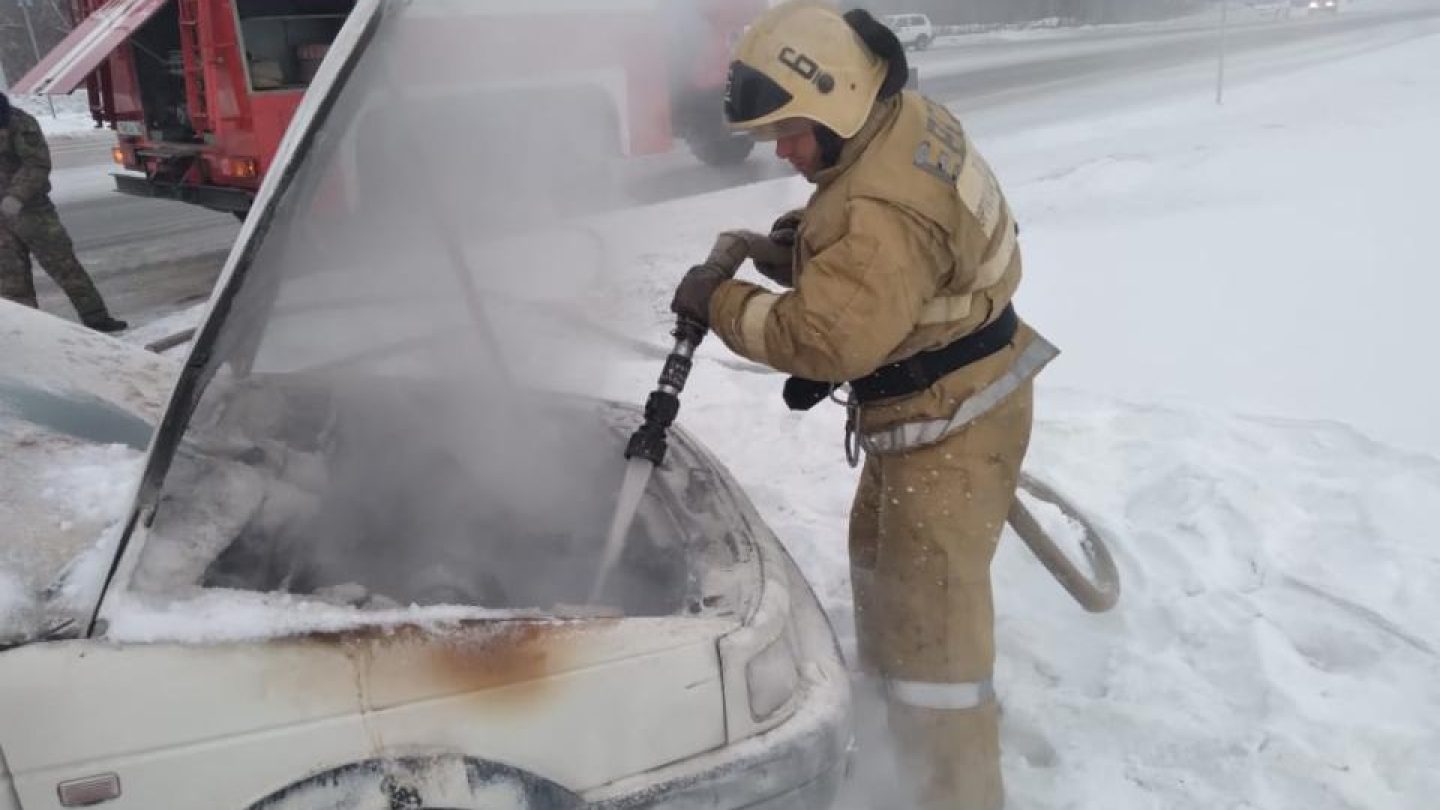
<point>796,765</point>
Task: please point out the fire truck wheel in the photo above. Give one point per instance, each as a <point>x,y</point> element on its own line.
<point>723,151</point>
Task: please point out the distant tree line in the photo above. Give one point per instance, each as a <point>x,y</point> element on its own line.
<point>1065,12</point>
<point>50,20</point>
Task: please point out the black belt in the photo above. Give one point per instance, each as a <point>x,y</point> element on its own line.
<point>915,373</point>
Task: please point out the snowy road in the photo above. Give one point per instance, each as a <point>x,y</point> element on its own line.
<point>998,86</point>
<point>149,257</point>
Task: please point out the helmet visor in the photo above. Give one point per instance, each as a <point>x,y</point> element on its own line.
<point>751,95</point>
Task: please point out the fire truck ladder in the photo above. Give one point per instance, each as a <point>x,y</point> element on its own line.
<point>193,65</point>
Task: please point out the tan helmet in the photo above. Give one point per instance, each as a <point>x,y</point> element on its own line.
<point>801,61</point>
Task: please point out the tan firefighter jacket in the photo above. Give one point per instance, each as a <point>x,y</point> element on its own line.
<point>906,245</point>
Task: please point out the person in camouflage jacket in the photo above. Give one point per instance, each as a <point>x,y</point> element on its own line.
<point>30,226</point>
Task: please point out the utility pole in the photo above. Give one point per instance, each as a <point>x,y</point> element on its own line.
<point>34,46</point>
<point>1220,75</point>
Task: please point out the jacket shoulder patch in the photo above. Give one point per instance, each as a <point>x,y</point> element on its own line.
<point>942,148</point>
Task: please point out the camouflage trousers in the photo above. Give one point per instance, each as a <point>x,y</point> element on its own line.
<point>923,530</point>
<point>37,231</point>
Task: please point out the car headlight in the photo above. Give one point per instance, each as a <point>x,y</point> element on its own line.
<point>758,666</point>
<point>771,677</point>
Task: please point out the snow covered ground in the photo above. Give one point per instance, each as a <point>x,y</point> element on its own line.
<point>950,55</point>
<point>1270,256</point>
<point>1244,406</point>
<point>71,117</point>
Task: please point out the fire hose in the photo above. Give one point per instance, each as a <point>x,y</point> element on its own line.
<point>1097,593</point>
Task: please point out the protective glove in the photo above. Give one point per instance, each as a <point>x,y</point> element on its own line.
<point>10,206</point>
<point>774,255</point>
<point>692,297</point>
<point>730,251</point>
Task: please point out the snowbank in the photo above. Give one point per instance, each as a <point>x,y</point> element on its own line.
<point>71,118</point>
<point>1269,256</point>
<point>1275,643</point>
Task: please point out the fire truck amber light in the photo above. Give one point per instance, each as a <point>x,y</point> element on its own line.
<point>90,790</point>
<point>240,168</point>
<point>119,155</point>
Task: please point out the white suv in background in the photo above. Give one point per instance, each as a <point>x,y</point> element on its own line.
<point>914,30</point>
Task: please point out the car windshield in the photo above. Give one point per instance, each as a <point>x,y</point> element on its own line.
<point>378,416</point>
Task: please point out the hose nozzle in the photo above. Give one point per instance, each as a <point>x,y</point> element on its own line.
<point>648,442</point>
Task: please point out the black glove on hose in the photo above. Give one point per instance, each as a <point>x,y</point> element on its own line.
<point>786,226</point>
<point>692,297</point>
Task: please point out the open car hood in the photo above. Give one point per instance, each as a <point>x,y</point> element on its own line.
<point>349,397</point>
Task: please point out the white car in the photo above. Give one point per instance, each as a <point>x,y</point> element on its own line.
<point>914,30</point>
<point>356,571</point>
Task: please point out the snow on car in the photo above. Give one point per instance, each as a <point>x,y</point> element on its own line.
<point>74,407</point>
<point>356,568</point>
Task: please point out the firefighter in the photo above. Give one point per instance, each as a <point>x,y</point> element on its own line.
<point>30,225</point>
<point>903,266</point>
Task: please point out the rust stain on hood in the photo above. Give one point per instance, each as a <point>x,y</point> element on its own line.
<point>397,665</point>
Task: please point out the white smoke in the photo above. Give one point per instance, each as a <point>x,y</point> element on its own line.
<point>400,397</point>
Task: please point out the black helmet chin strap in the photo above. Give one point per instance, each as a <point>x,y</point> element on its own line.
<point>830,145</point>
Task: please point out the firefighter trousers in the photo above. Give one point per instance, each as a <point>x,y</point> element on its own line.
<point>923,530</point>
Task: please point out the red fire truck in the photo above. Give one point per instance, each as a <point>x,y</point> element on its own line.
<point>200,92</point>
